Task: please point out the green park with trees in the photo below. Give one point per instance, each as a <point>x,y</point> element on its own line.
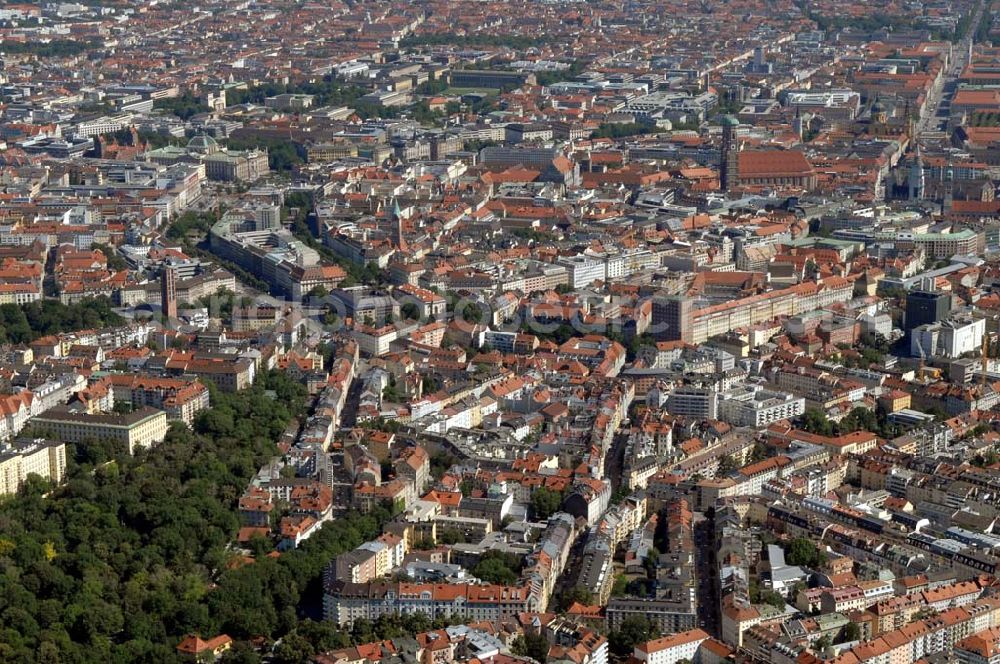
<point>56,48</point>
<point>184,106</point>
<point>132,553</point>
<point>21,324</point>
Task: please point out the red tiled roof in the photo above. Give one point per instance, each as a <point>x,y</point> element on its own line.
<point>773,163</point>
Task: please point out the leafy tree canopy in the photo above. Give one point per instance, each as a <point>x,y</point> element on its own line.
<point>21,324</point>
<point>127,557</point>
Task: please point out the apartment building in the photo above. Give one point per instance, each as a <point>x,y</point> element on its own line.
<point>46,459</point>
<point>690,401</point>
<point>343,603</point>
<point>597,571</point>
<point>668,614</point>
<point>980,648</point>
<point>722,318</point>
<point>19,293</point>
<point>671,649</point>
<point>588,499</point>
<point>752,406</point>
<point>583,270</point>
<point>752,478</point>
<point>180,399</point>
<point>938,245</point>
<point>230,374</point>
<point>357,566</point>
<point>143,427</point>
<point>15,410</point>
<point>251,319</point>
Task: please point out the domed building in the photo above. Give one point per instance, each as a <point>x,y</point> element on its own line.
<point>880,113</point>
<point>885,120</point>
<point>221,164</point>
<point>203,144</point>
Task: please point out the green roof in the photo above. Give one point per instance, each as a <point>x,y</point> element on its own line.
<point>167,151</point>
<point>959,235</point>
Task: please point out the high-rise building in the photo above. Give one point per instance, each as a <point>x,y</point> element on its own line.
<point>729,169</point>
<point>168,292</point>
<point>923,307</point>
<point>672,318</point>
<point>697,402</point>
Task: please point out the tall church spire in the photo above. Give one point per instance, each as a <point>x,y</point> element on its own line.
<point>916,181</point>
<point>949,188</point>
<point>729,165</point>
<point>396,219</point>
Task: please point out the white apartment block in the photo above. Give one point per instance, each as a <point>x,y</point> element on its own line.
<point>42,458</point>
<point>948,338</point>
<point>583,270</point>
<point>671,649</point>
<point>752,406</point>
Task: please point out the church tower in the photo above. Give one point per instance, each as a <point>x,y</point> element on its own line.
<point>916,180</point>
<point>729,163</point>
<point>396,219</point>
<point>797,122</point>
<point>949,188</point>
<point>880,114</point>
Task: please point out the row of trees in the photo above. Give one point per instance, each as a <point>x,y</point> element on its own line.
<point>115,261</point>
<point>191,229</point>
<point>156,139</point>
<point>551,77</point>
<point>624,129</point>
<point>328,91</point>
<point>184,106</point>
<point>985,27</point>
<point>867,23</point>
<point>985,119</point>
<point>859,419</point>
<point>58,48</point>
<point>765,596</point>
<point>803,552</point>
<point>24,323</point>
<point>632,631</point>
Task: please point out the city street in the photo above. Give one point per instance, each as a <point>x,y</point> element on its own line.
<point>938,107</point>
